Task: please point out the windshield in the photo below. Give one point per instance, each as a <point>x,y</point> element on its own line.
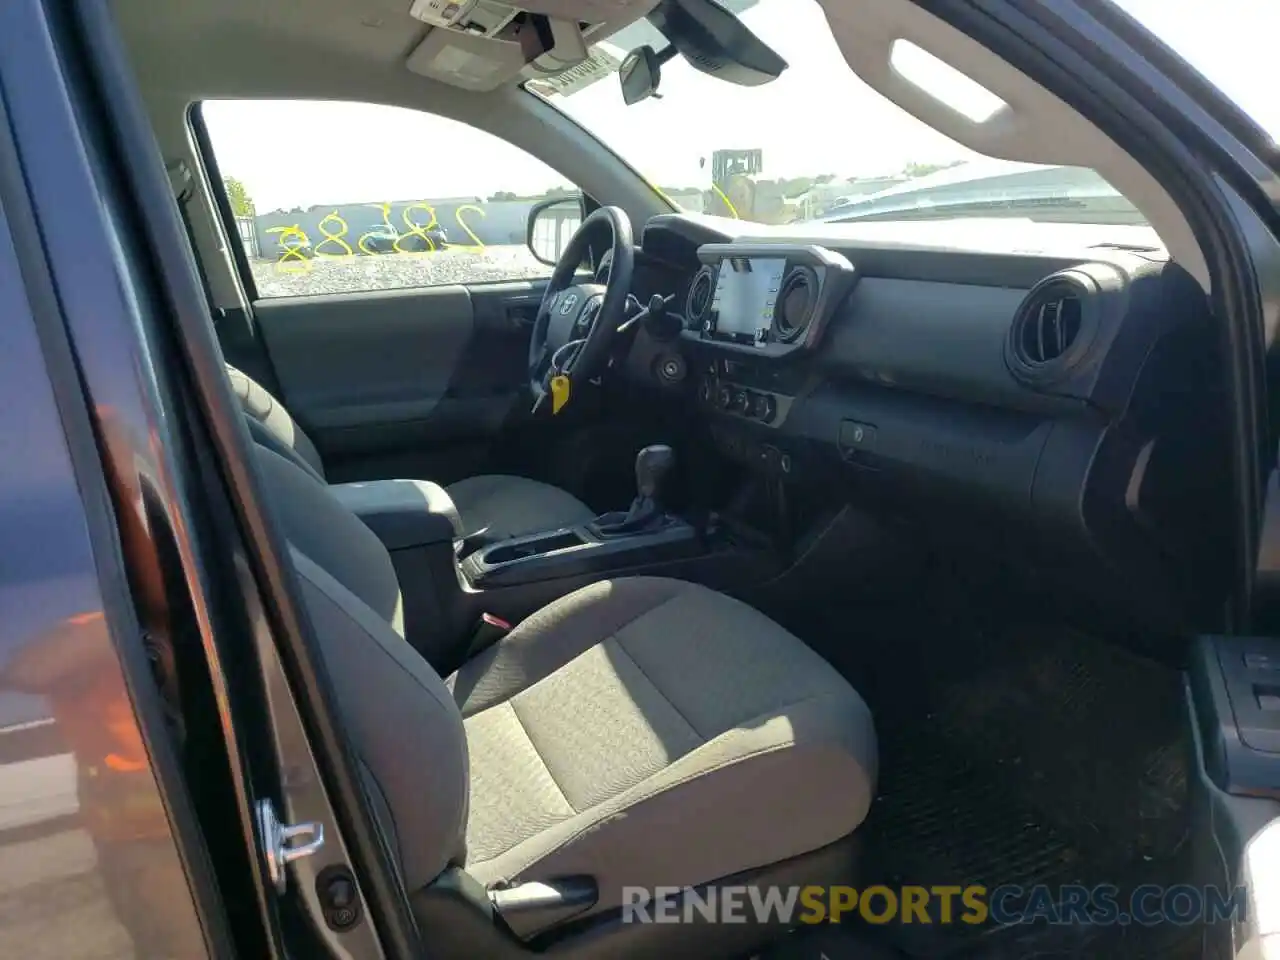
<point>818,144</point>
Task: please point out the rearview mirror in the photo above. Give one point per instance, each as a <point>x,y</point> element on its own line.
<point>640,74</point>
<point>552,223</point>
<point>715,41</point>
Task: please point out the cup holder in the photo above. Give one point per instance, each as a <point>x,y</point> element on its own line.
<point>532,547</point>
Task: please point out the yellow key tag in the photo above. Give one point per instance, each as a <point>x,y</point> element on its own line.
<point>559,393</point>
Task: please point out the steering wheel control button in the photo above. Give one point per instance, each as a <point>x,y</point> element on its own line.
<point>856,438</point>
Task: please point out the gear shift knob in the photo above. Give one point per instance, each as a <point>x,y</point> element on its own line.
<point>646,514</point>
<point>653,463</point>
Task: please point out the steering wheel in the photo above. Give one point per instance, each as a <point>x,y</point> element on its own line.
<point>578,322</point>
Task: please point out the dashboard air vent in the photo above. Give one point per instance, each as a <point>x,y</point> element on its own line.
<point>699,298</point>
<point>1052,329</point>
<point>797,298</point>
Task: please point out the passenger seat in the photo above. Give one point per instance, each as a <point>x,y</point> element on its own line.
<point>638,732</point>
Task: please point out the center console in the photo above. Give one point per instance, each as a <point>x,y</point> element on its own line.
<point>643,534</point>
<point>452,580</point>
<point>513,578</point>
<point>418,525</point>
<point>575,551</point>
<point>752,308</point>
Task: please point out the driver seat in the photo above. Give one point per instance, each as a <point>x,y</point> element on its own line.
<point>508,506</point>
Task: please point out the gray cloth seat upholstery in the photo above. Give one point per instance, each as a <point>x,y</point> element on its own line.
<point>508,506</point>
<point>652,732</point>
<point>643,731</point>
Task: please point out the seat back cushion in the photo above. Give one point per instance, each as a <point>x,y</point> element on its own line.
<point>405,727</point>
<point>270,424</point>
<point>403,723</point>
<point>321,528</point>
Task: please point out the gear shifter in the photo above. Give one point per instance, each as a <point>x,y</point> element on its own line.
<point>653,466</point>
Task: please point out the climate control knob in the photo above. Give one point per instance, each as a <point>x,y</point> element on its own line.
<point>741,401</point>
<point>764,407</point>
<point>724,398</point>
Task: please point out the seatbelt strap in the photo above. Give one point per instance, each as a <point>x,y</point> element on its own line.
<point>183,185</point>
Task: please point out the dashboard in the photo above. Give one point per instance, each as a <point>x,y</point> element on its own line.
<point>1059,409</point>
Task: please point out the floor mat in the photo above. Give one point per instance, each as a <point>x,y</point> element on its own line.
<point>1020,756</point>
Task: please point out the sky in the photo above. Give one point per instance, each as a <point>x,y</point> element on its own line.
<point>816,118</point>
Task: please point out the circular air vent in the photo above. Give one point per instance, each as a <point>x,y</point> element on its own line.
<point>797,298</point>
<point>1053,328</point>
<point>699,298</point>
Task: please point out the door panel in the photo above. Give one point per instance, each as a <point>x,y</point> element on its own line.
<point>352,361</point>
<point>421,375</point>
<point>416,382</point>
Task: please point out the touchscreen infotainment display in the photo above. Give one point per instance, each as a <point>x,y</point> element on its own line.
<point>746,289</point>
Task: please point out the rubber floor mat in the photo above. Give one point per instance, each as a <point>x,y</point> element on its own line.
<point>1022,756</point>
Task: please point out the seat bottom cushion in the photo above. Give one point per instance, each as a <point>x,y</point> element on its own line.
<point>514,506</point>
<point>652,732</point>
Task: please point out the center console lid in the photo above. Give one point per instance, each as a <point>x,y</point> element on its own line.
<point>403,513</point>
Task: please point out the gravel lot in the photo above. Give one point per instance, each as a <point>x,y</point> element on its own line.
<point>394,271</point>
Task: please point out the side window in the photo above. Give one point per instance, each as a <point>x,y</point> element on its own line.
<point>336,197</point>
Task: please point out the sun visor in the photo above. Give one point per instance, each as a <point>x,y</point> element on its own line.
<point>468,60</point>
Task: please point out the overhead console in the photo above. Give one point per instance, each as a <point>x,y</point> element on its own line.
<point>483,44</point>
<point>765,300</point>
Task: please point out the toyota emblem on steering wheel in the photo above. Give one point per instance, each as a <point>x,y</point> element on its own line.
<point>587,318</point>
